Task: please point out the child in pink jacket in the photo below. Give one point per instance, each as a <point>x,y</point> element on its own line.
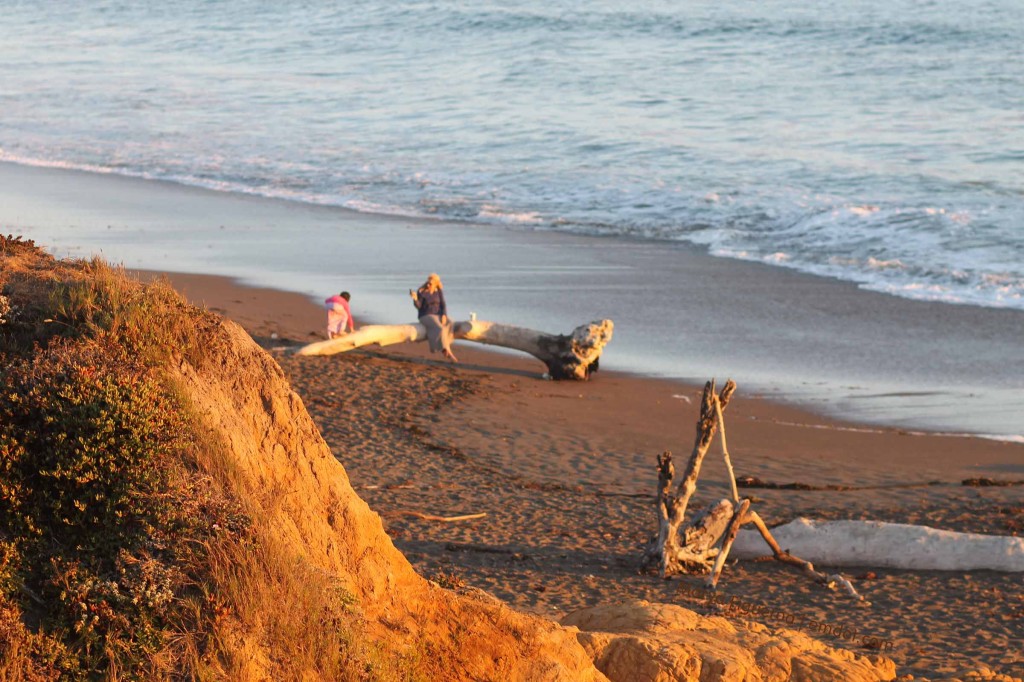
<point>338,315</point>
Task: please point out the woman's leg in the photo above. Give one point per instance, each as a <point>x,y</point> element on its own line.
<point>447,336</point>
<point>434,327</point>
<point>439,335</point>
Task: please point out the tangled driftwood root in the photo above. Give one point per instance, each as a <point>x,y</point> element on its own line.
<point>703,544</point>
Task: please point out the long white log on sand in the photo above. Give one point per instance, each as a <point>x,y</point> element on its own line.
<point>567,356</point>
<point>886,545</point>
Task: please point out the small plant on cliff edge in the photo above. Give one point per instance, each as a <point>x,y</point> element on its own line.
<point>449,580</point>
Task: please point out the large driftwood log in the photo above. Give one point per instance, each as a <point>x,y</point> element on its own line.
<point>883,544</point>
<point>567,356</point>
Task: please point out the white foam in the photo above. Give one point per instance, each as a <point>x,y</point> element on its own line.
<point>488,211</point>
<point>898,250</point>
<point>777,257</point>
<point>1000,437</point>
<point>863,210</point>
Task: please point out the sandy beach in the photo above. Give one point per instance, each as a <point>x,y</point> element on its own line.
<point>566,472</point>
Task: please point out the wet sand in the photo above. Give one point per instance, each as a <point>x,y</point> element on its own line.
<point>679,312</point>
<point>566,473</point>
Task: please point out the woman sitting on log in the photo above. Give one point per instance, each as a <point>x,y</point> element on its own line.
<point>433,314</point>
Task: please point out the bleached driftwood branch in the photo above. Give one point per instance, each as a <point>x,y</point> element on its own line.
<point>434,517</point>
<point>738,518</point>
<point>888,545</point>
<point>567,356</point>
<point>667,550</point>
<point>706,541</point>
<point>725,450</point>
<point>807,567</point>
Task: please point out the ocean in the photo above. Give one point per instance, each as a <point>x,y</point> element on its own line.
<point>876,143</point>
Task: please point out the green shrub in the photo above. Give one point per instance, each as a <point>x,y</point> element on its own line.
<point>79,437</point>
<point>86,437</point>
<point>31,657</point>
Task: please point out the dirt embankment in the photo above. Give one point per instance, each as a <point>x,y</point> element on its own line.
<point>296,579</point>
<point>305,497</point>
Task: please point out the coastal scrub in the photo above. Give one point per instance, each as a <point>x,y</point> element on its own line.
<point>123,552</point>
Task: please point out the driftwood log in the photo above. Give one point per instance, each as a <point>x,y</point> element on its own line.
<point>703,544</point>
<point>434,517</point>
<point>567,356</point>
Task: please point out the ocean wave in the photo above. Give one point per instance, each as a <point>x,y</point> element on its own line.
<point>841,241</point>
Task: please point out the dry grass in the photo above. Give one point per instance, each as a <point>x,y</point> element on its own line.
<point>261,611</point>
<point>266,600</point>
<point>265,612</point>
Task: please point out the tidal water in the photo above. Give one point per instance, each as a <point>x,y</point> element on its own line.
<point>876,141</point>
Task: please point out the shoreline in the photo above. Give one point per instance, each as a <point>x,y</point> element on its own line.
<point>826,345</point>
<point>295,318</point>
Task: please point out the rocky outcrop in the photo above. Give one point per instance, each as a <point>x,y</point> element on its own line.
<point>644,642</point>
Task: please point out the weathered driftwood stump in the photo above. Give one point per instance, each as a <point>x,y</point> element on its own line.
<point>703,544</point>
<point>567,356</point>
<point>699,539</point>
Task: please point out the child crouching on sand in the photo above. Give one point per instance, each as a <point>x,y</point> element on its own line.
<point>339,316</point>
